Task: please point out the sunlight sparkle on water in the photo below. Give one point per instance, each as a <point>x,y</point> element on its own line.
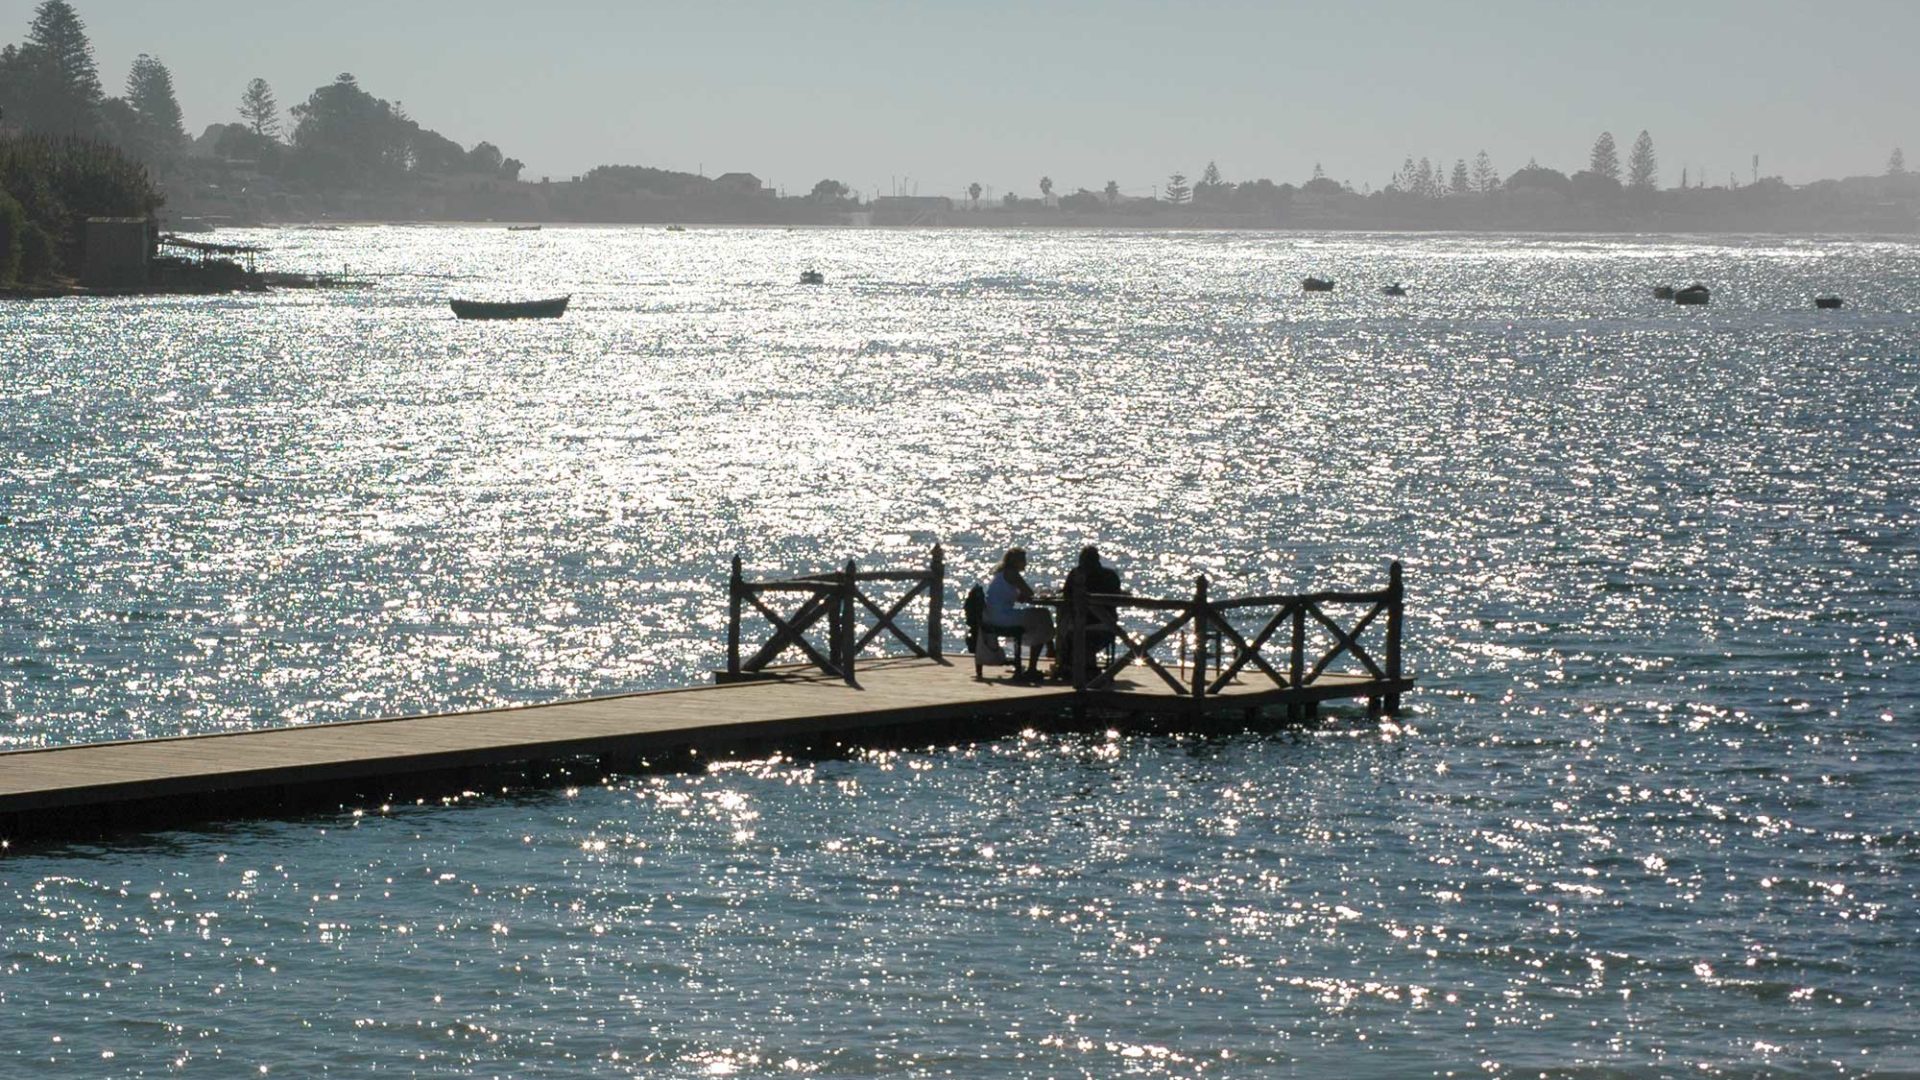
<point>1653,796</point>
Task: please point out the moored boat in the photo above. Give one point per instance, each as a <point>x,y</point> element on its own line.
<point>1692,295</point>
<point>1663,292</point>
<point>510,309</point>
<point>523,228</point>
<point>812,277</point>
<point>1828,303</point>
<point>1314,284</point>
<point>1395,289</point>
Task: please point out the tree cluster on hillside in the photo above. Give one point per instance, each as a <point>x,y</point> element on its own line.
<point>1614,189</point>
<point>639,193</point>
<point>342,136</point>
<point>1429,178</point>
<point>1212,191</point>
<point>1609,194</point>
<point>342,150</point>
<point>1426,193</point>
<point>642,178</point>
<point>66,163</point>
<point>50,85</point>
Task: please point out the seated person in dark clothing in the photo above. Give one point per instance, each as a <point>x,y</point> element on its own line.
<point>1097,579</point>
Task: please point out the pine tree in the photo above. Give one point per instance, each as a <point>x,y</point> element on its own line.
<point>1403,180</point>
<point>260,110</point>
<point>159,132</point>
<point>1112,192</point>
<point>1177,190</point>
<point>1425,183</point>
<point>60,85</point>
<point>11,76</point>
<point>1460,182</point>
<point>1605,160</point>
<point>1486,180</point>
<point>1210,189</point>
<point>1643,169</point>
<point>1897,163</point>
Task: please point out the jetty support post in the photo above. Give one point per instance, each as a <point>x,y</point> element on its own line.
<point>1396,615</point>
<point>1200,627</point>
<point>936,592</point>
<point>845,623</point>
<point>835,608</point>
<point>1297,659</point>
<point>735,588</point>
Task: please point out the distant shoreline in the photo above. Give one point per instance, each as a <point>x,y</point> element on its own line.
<point>1532,200</point>
<point>1078,226</point>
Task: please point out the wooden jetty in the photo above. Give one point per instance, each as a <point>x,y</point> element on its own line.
<point>870,657</point>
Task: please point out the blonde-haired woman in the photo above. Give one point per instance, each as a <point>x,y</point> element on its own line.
<point>1007,588</point>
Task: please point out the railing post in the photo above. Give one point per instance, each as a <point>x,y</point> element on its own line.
<point>835,609</point>
<point>848,586</point>
<point>1200,622</point>
<point>936,594</point>
<point>1077,628</point>
<point>734,591</point>
<point>1396,614</point>
<point>1297,665</point>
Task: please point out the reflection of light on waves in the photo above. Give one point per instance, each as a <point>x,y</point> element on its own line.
<point>337,414</point>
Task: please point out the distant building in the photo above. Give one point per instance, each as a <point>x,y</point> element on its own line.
<point>741,183</point>
<point>114,253</point>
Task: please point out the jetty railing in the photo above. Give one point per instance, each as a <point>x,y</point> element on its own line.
<point>1291,640</point>
<point>851,606</point>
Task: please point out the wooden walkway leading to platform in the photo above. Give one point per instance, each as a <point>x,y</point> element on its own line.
<point>93,788</point>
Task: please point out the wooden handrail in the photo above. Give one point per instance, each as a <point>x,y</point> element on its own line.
<point>1237,652</point>
<point>1329,597</point>
<point>835,597</point>
<point>824,584</point>
<point>855,619</point>
<point>836,576</point>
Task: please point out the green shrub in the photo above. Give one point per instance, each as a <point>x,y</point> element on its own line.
<point>13,226</point>
<point>39,255</point>
<point>59,182</point>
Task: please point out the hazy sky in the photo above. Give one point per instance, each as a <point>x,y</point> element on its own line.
<point>930,96</point>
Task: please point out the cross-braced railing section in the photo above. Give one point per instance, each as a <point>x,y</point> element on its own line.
<point>840,614</point>
<point>1290,640</point>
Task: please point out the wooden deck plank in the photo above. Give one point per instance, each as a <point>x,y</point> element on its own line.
<point>890,692</point>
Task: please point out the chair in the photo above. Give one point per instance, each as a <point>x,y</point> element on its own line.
<point>975,610</point>
<point>1103,621</point>
<point>1104,639</point>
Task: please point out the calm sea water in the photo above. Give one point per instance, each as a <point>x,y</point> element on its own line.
<point>1652,810</point>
